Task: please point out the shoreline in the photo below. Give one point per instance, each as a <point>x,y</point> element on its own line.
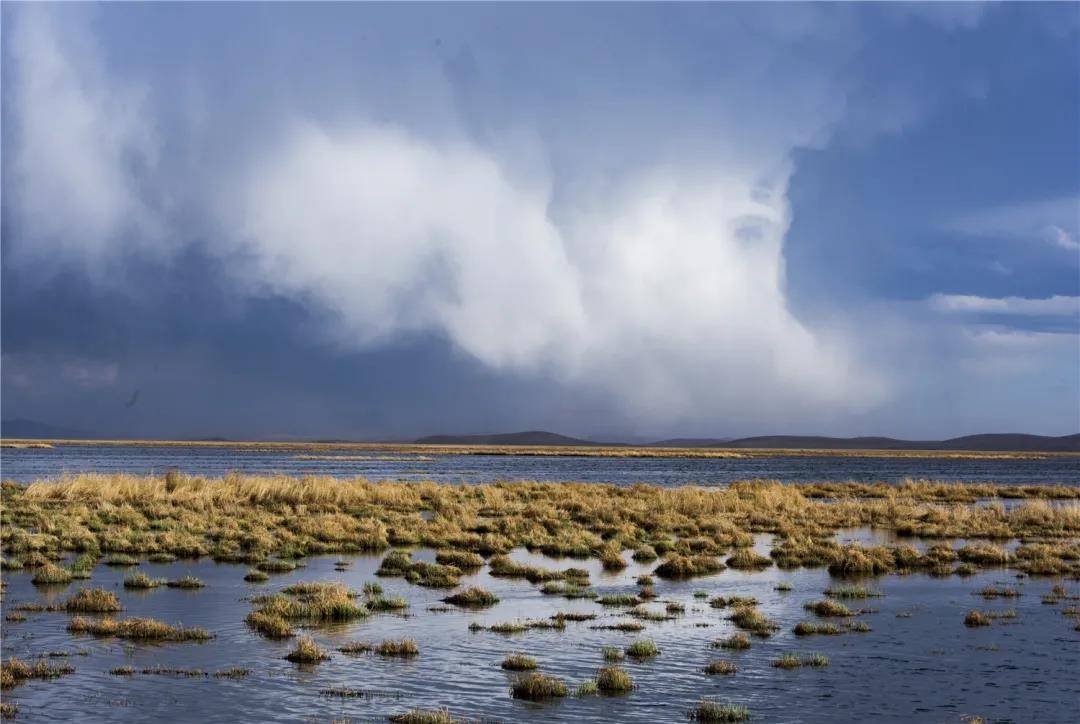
<point>607,451</point>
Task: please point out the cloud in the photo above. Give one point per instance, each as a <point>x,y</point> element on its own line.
<point>668,293</point>
<point>1056,305</point>
<point>82,142</point>
<point>612,219</point>
<point>1053,222</point>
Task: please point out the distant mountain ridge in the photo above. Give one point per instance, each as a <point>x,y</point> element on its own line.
<point>991,442</point>
<point>529,437</point>
<point>20,428</point>
<point>32,429</point>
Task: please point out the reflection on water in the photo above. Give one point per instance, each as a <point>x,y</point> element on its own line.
<point>925,666</point>
<point>28,464</point>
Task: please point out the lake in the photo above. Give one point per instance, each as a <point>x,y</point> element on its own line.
<point>28,464</point>
<point>919,662</point>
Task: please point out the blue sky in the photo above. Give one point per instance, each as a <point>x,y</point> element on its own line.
<point>374,221</point>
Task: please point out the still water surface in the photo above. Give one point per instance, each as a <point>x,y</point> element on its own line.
<point>919,662</point>
<point>29,464</point>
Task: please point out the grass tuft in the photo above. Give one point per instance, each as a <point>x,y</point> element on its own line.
<point>720,666</point>
<point>93,600</point>
<point>399,647</point>
<point>537,687</point>
<point>307,652</point>
<point>643,649</point>
<point>473,597</point>
<point>519,662</point>
<point>613,680</point>
<point>711,711</point>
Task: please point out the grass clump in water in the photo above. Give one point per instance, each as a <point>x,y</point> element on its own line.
<point>256,576</point>
<point>624,626</point>
<point>234,672</point>
<point>613,653</point>
<point>733,601</point>
<point>269,625</point>
<point>712,711</point>
<point>399,647</point>
<point>189,582</point>
<point>827,608</point>
<point>519,662</point>
<point>357,647</point>
<point>645,554</point>
<point>123,671</point>
<point>750,619</point>
<point>618,599</point>
<point>473,597</point>
<point>52,575</point>
<point>138,629</point>
<point>587,688</point>
<point>15,671</point>
<point>424,716</point>
<point>809,628</point>
<point>613,680</point>
<point>276,565</point>
<point>307,652</point>
<point>643,649</point>
<point>748,559</point>
<point>720,666</point>
<point>984,554</point>
<point>142,581</point>
<point>977,618</point>
<point>93,600</point>
<point>679,566</point>
<point>787,661</point>
<point>465,560</point>
<point>313,601</point>
<point>537,687</point>
<point>996,592</point>
<point>735,642</point>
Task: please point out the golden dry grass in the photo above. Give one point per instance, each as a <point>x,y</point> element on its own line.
<point>269,521</point>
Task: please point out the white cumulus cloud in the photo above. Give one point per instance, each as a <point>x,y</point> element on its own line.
<point>1057,305</point>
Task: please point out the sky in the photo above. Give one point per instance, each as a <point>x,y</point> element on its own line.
<point>629,221</point>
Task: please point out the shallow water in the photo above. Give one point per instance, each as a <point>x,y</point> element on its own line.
<point>924,665</point>
<point>28,464</point>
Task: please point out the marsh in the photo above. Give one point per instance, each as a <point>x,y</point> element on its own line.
<point>898,618</point>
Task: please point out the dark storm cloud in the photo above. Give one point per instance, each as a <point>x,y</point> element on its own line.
<point>383,222</point>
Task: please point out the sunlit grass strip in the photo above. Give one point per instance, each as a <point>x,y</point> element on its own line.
<point>137,629</point>
<point>270,521</point>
